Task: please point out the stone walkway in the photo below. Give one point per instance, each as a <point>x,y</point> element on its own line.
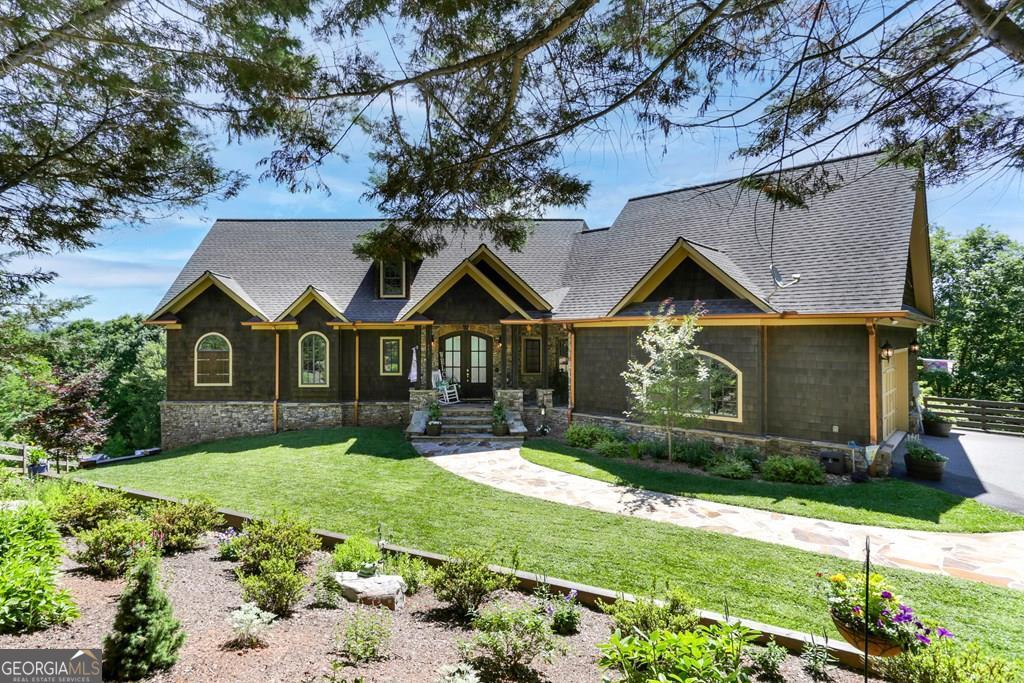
<point>996,558</point>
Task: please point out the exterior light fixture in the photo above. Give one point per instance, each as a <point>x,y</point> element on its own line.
<point>915,346</point>
<point>887,351</point>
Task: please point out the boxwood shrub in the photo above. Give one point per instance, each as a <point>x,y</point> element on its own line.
<point>792,469</point>
<point>588,436</point>
<point>612,449</point>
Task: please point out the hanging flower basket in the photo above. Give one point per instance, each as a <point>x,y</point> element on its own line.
<point>876,645</point>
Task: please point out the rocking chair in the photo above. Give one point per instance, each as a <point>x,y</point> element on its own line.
<point>447,391</point>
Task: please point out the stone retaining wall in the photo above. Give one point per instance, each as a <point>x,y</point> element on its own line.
<point>296,416</point>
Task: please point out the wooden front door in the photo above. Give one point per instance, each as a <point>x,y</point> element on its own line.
<point>466,357</point>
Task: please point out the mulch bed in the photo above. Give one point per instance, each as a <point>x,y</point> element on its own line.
<point>300,648</point>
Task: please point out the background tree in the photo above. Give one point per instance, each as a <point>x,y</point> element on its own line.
<point>70,424</point>
<point>979,301</point>
<point>666,384</point>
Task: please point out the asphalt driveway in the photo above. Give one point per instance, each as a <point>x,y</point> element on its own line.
<point>986,467</point>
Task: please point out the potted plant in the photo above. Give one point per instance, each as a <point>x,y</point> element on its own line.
<point>892,626</point>
<point>36,461</point>
<point>924,463</point>
<point>936,425</point>
<point>434,419</point>
<point>499,425</point>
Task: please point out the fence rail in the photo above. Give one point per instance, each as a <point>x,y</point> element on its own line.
<point>989,416</point>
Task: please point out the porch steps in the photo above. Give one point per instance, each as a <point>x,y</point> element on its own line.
<point>471,438</point>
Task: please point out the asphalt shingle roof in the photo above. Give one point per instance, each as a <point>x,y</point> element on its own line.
<point>850,247</point>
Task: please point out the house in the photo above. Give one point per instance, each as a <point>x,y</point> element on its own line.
<point>274,324</point>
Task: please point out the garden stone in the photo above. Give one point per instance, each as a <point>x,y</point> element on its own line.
<point>387,590</point>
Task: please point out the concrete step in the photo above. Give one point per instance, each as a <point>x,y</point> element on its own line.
<point>466,418</point>
<point>465,428</point>
<point>483,437</point>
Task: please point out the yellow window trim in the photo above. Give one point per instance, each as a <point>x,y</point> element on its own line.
<point>483,253</point>
<point>327,361</point>
<point>400,362</point>
<point>463,269</point>
<point>195,362</point>
<point>672,258</point>
<point>380,282</point>
<point>310,295</point>
<point>522,356</point>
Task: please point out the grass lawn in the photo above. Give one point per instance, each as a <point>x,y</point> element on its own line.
<point>351,480</point>
<point>891,503</point>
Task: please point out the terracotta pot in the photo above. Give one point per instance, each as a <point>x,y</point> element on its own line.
<point>876,646</point>
<point>937,428</point>
<point>929,470</point>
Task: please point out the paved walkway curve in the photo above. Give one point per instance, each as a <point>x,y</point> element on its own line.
<point>995,558</point>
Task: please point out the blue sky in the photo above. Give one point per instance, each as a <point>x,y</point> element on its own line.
<point>131,268</point>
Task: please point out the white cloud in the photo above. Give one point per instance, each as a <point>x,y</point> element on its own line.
<point>92,272</point>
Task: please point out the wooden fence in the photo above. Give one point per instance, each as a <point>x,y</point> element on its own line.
<point>21,457</point>
<point>989,416</point>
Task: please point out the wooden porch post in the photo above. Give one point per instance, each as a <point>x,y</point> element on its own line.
<point>872,383</point>
<point>572,373</point>
<point>355,406</point>
<point>277,377</point>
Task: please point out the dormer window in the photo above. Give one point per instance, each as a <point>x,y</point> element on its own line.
<point>392,279</point>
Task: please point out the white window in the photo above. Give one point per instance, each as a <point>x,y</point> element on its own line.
<point>212,361</point>
<point>392,279</point>
<point>314,363</point>
<point>722,384</point>
<point>391,356</point>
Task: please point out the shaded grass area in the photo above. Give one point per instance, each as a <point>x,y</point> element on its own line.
<point>350,480</point>
<point>890,503</point>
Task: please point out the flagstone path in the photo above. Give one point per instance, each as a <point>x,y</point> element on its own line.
<point>996,558</point>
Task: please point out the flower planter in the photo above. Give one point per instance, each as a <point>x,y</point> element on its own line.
<point>876,646</point>
<point>433,429</point>
<point>39,468</point>
<point>500,429</point>
<point>929,470</point>
<point>937,428</point>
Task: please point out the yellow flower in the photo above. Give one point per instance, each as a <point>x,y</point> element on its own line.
<point>838,578</point>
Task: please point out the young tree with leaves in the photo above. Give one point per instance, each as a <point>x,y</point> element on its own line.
<point>70,424</point>
<point>666,384</point>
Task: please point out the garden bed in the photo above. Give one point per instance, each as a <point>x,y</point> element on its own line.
<point>203,592</point>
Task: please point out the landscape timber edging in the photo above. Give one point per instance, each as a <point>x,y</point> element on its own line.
<point>591,596</point>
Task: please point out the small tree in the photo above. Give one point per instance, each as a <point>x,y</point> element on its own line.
<point>666,385</point>
<point>146,636</point>
<point>71,424</point>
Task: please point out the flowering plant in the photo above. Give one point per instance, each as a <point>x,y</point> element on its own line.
<point>887,615</point>
<point>563,610</point>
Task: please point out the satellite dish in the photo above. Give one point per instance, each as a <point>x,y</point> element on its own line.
<point>779,282</point>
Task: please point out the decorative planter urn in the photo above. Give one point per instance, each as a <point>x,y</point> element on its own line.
<point>500,428</point>
<point>929,470</point>
<point>875,645</point>
<point>39,468</point>
<point>933,428</point>
<point>433,429</point>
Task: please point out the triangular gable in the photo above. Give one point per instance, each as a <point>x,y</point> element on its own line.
<point>483,253</point>
<point>465,269</point>
<point>667,264</point>
<point>309,296</point>
<point>209,279</point>
<point>919,261</point>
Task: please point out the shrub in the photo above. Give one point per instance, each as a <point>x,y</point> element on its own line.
<point>707,654</point>
<point>326,591</point>
<point>146,636</point>
<point>109,549</point>
<point>228,543</point>
<point>277,587</point>
<point>458,673</point>
<point>918,451</point>
<point>285,537</point>
<point>464,581</point>
<point>178,526</point>
<point>695,453</point>
<point>586,436</point>
<point>355,552</point>
<point>731,468</point>
<point>29,533</point>
<point>816,660</point>
<point>77,507</point>
<point>949,662</point>
<point>612,449</point>
<point>29,597</point>
<point>365,635</point>
<point>249,623</point>
<point>509,639</point>
<point>793,469</point>
<point>768,660</point>
<point>644,615</point>
<point>749,455</point>
<point>12,485</point>
<point>653,448</point>
<point>563,610</point>
<point>414,571</point>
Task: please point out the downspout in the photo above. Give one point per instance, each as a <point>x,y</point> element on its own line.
<point>572,372</point>
<point>872,383</point>
<point>277,377</point>
<point>355,408</point>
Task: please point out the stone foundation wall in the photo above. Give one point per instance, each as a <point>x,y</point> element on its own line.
<point>383,414</point>
<point>183,423</point>
<point>295,416</point>
<point>556,419</point>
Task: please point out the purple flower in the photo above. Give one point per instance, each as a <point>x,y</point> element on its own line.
<point>887,595</point>
<point>943,633</point>
<point>923,638</point>
<point>856,609</point>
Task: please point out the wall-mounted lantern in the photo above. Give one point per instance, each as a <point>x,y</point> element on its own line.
<point>887,351</point>
<point>915,346</point>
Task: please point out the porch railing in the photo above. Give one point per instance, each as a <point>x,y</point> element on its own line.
<point>989,416</point>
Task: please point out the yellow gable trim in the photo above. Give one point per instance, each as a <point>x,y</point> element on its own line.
<point>483,253</point>
<point>192,292</point>
<point>308,297</point>
<point>920,257</point>
<point>463,269</point>
<point>675,255</point>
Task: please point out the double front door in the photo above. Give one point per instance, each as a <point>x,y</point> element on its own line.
<point>466,357</point>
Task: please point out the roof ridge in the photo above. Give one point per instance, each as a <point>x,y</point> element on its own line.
<point>361,220</point>
<point>728,181</point>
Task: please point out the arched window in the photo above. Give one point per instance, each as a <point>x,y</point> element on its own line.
<point>314,365</point>
<point>213,361</point>
<point>722,383</point>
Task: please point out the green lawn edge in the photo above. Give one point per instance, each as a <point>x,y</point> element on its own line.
<point>356,480</point>
<point>892,503</point>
